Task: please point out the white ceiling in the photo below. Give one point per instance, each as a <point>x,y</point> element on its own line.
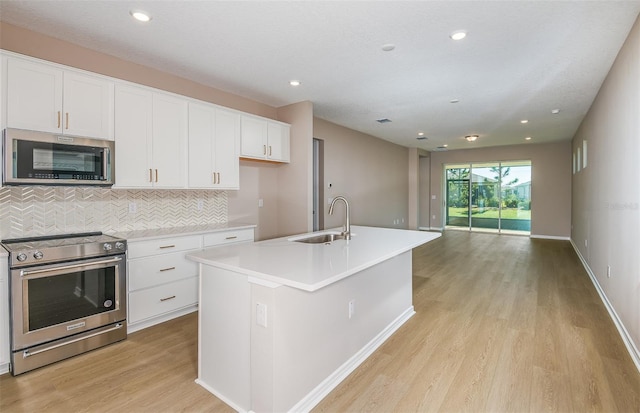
<point>520,60</point>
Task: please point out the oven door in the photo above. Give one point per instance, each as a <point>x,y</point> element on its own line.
<point>54,301</point>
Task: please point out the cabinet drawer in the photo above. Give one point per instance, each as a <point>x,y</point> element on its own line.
<point>163,246</point>
<point>149,272</point>
<point>228,237</point>
<point>162,299</point>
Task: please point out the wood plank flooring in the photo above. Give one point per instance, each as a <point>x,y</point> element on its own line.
<point>503,324</point>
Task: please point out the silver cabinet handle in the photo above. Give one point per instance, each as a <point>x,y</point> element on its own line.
<point>167,269</point>
<point>24,273</point>
<point>168,298</point>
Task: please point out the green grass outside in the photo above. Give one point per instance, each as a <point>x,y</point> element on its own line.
<point>507,213</point>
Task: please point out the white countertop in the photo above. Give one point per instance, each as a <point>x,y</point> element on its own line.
<point>147,234</point>
<point>313,266</point>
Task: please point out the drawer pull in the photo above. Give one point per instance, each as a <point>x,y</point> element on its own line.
<point>167,246</point>
<point>234,237</point>
<point>168,298</point>
<point>167,269</point>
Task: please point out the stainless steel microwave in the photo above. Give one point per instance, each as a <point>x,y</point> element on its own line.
<point>38,158</point>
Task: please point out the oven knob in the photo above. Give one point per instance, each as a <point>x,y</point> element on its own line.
<point>22,256</point>
<point>38,255</point>
<point>120,245</point>
<point>107,246</point>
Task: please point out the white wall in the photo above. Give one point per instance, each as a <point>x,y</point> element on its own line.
<point>606,194</point>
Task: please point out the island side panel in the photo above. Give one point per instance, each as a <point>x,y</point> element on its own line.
<point>310,334</point>
<point>224,336</point>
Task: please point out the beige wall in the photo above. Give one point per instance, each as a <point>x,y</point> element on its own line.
<point>371,173</point>
<point>295,180</point>
<point>606,194</point>
<point>550,183</point>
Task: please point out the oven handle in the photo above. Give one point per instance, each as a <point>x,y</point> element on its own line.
<point>28,353</point>
<point>24,273</point>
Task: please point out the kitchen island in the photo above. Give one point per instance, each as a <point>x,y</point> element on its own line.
<point>282,322</point>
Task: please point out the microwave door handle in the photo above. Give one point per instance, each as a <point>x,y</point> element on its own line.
<point>105,157</point>
<point>24,273</point>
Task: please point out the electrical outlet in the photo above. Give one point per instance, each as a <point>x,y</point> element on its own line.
<point>608,271</point>
<point>200,204</point>
<point>586,244</point>
<point>433,217</point>
<point>260,203</point>
<point>133,207</point>
<point>352,308</point>
<point>261,314</point>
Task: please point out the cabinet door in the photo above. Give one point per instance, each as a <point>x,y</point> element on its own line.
<point>133,133</point>
<point>278,142</point>
<point>34,96</point>
<point>88,106</point>
<point>253,137</point>
<point>201,137</point>
<point>169,141</point>
<point>227,142</point>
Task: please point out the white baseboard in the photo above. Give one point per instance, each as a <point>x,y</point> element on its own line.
<point>132,328</point>
<point>536,236</point>
<point>626,337</point>
<point>220,396</point>
<point>327,385</point>
<point>4,368</point>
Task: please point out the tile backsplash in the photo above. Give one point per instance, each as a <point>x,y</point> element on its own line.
<point>27,211</point>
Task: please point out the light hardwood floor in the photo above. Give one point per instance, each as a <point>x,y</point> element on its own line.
<point>503,324</point>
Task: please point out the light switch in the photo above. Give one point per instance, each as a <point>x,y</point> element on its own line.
<point>260,203</point>
<point>433,197</point>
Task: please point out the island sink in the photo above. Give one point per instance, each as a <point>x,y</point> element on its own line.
<point>322,238</point>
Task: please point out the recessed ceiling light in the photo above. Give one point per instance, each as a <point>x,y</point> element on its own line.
<point>388,47</point>
<point>471,138</point>
<point>140,15</point>
<point>454,101</point>
<point>445,146</point>
<point>458,35</point>
<point>528,138</point>
<point>294,83</point>
<point>420,133</point>
<point>523,121</point>
<point>555,111</point>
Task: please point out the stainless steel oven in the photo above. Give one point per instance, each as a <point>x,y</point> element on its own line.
<point>68,296</point>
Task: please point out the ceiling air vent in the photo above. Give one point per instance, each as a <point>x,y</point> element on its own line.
<point>440,148</point>
<point>385,120</point>
<point>421,138</point>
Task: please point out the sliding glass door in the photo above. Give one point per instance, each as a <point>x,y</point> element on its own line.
<point>493,196</point>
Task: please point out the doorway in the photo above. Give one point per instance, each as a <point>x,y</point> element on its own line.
<point>489,197</point>
<point>318,184</point>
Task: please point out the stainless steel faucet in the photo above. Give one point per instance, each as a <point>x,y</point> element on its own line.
<point>347,227</point>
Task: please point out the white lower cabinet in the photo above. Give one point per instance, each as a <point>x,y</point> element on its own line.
<point>162,283</point>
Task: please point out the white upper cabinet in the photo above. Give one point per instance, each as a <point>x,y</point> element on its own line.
<point>151,133</point>
<point>278,142</point>
<point>214,137</point>
<point>46,98</point>
<point>264,139</point>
